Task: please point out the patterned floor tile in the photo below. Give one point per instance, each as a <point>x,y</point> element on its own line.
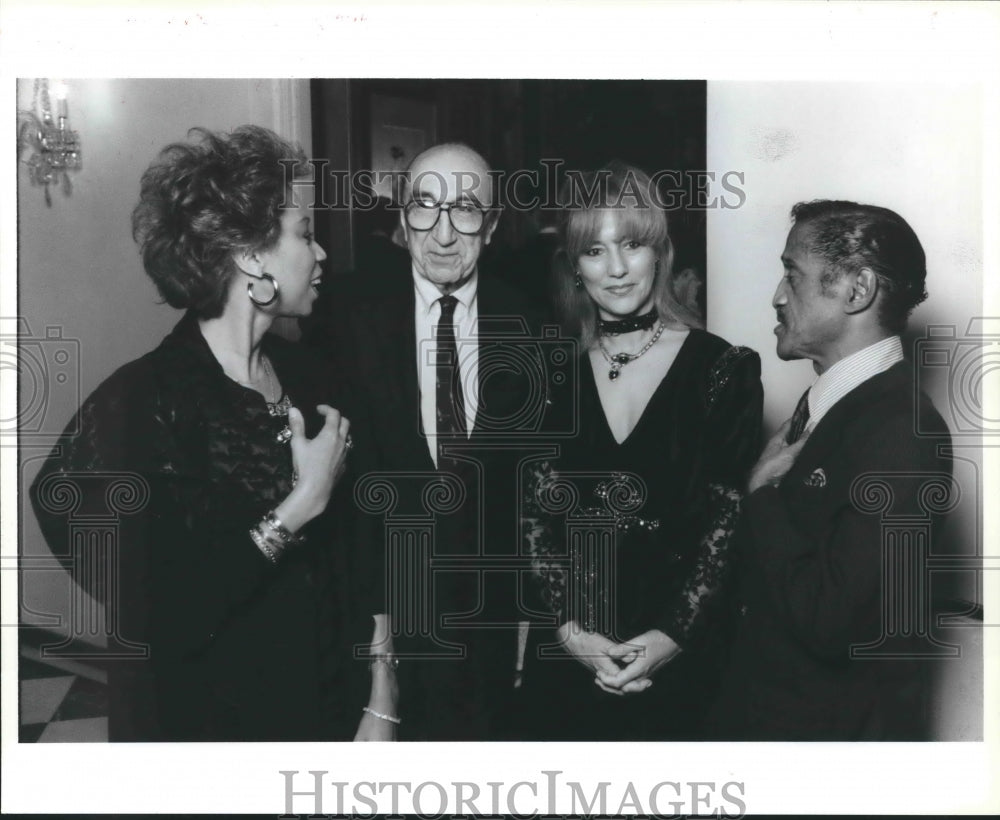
<point>89,730</point>
<point>85,699</point>
<point>32,670</point>
<point>41,697</point>
<point>31,732</point>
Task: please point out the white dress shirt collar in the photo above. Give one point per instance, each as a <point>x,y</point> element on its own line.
<point>851,371</point>
<point>428,294</point>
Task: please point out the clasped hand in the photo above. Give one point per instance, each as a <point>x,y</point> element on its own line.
<point>619,668</point>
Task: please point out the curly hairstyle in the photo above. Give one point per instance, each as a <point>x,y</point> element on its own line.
<point>630,193</point>
<point>204,200</point>
<point>849,237</point>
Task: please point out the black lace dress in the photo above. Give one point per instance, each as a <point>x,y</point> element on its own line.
<point>214,642</point>
<point>630,537</point>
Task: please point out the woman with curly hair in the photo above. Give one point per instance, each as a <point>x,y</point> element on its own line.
<point>630,527</point>
<point>228,583</point>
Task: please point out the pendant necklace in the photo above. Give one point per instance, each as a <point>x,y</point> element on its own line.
<point>276,408</point>
<point>619,360</point>
<point>280,406</point>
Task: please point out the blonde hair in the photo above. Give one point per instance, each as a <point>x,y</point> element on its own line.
<point>627,192</point>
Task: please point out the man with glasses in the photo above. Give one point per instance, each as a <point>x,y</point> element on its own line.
<point>442,363</point>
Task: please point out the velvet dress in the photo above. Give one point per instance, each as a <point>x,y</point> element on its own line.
<point>633,536</point>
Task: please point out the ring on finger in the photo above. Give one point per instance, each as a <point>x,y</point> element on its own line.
<point>349,442</point>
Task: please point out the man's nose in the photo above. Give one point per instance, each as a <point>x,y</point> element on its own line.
<point>444,232</point>
<point>780,297</point>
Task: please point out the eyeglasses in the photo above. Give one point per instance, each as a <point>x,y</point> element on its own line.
<point>465,217</point>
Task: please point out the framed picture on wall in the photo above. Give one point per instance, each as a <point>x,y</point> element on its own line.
<point>400,129</point>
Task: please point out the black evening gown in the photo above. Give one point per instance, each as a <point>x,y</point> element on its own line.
<point>633,536</point>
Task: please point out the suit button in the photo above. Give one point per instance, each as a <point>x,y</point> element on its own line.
<point>744,609</point>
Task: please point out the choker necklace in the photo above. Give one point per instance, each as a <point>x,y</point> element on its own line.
<point>618,326</point>
<point>619,360</point>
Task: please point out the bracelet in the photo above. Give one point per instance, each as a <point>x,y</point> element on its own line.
<point>380,716</point>
<point>271,551</point>
<point>389,660</point>
<point>283,534</point>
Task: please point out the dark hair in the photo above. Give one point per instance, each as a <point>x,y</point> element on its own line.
<point>850,236</point>
<point>629,192</point>
<point>205,200</point>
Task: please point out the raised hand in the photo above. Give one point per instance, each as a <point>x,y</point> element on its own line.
<point>318,462</point>
<point>776,460</point>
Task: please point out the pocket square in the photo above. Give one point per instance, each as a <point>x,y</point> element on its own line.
<point>817,478</point>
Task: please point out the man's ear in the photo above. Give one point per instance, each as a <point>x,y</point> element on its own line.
<point>492,218</point>
<point>863,291</point>
<point>403,225</point>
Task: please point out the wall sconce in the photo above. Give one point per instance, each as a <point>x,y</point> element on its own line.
<point>55,149</point>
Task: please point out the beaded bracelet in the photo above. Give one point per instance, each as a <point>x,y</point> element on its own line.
<point>271,551</point>
<point>389,660</point>
<point>381,716</point>
<point>271,535</point>
<point>286,536</point>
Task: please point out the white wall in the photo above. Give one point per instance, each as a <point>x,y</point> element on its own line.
<point>78,268</point>
<point>915,148</point>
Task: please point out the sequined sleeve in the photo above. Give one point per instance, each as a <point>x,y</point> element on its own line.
<point>734,403</point>
<point>538,533</point>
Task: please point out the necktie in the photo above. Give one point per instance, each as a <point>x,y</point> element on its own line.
<point>800,418</point>
<point>450,400</point>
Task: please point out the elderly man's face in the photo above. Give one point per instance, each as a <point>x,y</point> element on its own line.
<point>449,177</point>
<point>811,318</point>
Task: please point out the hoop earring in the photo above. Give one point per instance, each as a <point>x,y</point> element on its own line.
<point>263,302</point>
<point>578,282</point>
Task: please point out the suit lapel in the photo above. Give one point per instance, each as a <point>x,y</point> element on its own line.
<point>826,438</point>
<point>502,392</point>
<point>393,330</point>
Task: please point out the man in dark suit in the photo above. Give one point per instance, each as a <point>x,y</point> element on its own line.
<point>529,267</point>
<point>448,363</point>
<point>818,653</point>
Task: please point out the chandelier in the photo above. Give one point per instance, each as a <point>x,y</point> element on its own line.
<point>54,147</point>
